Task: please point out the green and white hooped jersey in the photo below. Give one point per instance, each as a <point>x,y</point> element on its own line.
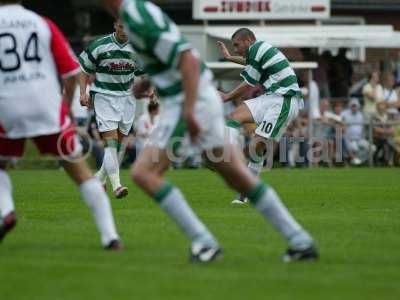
<point>158,43</point>
<point>114,65</point>
<point>268,66</point>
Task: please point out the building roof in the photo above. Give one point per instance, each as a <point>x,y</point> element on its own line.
<point>370,5</point>
<point>382,5</point>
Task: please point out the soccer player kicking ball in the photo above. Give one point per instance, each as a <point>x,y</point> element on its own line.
<point>113,61</point>
<point>32,57</point>
<point>185,86</point>
<point>276,108</point>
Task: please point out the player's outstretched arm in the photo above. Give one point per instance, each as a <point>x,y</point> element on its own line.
<point>238,92</point>
<point>190,69</point>
<point>225,53</point>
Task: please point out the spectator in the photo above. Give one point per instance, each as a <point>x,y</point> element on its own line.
<point>342,73</point>
<point>337,132</point>
<point>311,94</point>
<point>383,136</point>
<point>320,74</point>
<point>356,145</point>
<point>390,96</point>
<point>373,93</point>
<point>325,131</point>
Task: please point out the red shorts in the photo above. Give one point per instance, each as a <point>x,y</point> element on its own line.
<point>63,144</point>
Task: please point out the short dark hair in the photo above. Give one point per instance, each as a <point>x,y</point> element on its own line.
<point>244,33</point>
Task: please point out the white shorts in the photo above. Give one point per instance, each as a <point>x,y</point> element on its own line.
<point>114,112</point>
<point>272,114</point>
<point>171,131</point>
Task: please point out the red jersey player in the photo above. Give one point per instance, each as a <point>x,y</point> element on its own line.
<point>33,55</point>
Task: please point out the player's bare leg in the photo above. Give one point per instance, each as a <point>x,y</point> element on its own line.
<point>147,172</point>
<point>97,200</point>
<point>110,167</point>
<point>267,203</point>
<point>8,218</point>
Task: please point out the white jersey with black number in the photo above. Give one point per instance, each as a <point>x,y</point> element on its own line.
<point>33,53</point>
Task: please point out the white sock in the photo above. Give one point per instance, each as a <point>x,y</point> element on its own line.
<point>174,204</point>
<point>256,167</point>
<point>121,153</point>
<point>98,202</point>
<point>6,201</point>
<point>111,166</point>
<point>268,203</point>
<point>232,133</point>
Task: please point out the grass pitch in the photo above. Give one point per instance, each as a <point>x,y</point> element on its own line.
<point>354,214</point>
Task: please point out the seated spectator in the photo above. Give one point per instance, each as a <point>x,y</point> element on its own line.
<point>372,93</point>
<point>383,136</point>
<point>325,131</point>
<point>390,96</point>
<point>356,145</point>
<point>339,145</point>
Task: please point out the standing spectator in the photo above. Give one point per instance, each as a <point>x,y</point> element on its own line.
<point>383,136</point>
<point>390,96</point>
<point>356,144</point>
<point>311,94</point>
<point>373,93</point>
<point>342,70</point>
<point>320,74</point>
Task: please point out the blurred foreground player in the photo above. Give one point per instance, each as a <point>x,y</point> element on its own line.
<point>33,53</point>
<point>184,84</point>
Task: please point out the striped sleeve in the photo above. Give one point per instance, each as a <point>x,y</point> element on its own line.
<point>166,39</point>
<point>87,61</point>
<point>154,31</point>
<point>168,47</point>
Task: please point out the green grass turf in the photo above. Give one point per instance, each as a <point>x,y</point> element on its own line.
<point>354,214</point>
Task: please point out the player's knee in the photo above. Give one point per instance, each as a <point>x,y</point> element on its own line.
<point>234,117</point>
